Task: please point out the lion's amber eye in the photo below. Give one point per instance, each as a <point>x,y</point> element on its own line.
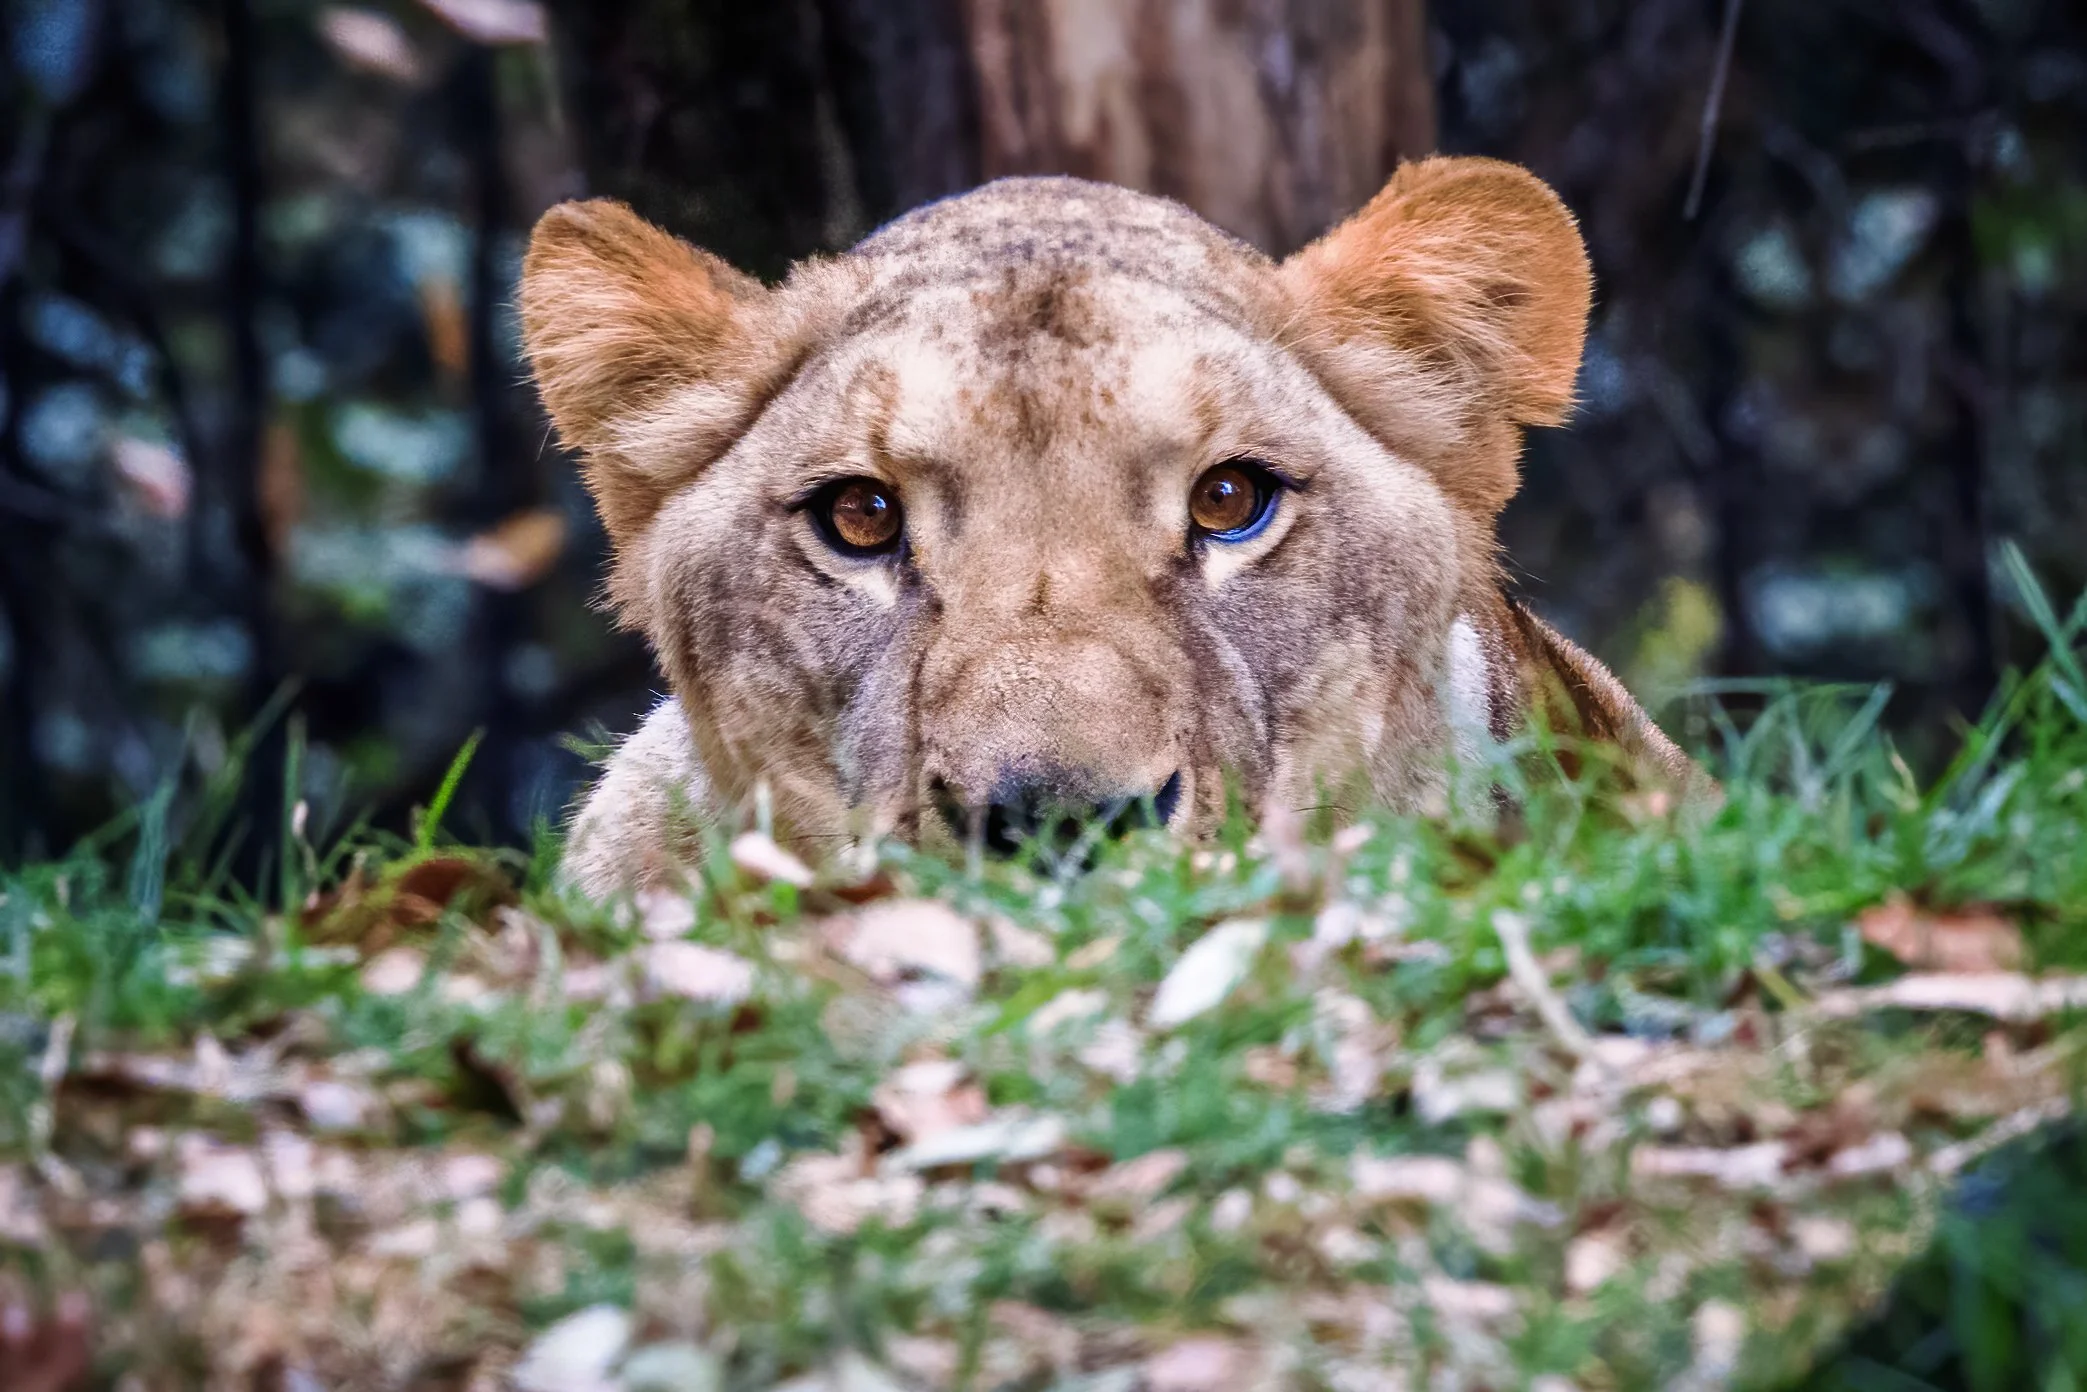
<point>1232,500</point>
<point>861,517</point>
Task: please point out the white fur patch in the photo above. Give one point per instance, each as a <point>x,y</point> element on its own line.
<point>1466,697</point>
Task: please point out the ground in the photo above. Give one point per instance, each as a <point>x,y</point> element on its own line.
<point>1615,1094</point>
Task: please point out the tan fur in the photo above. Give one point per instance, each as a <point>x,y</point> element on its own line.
<point>1041,369</point>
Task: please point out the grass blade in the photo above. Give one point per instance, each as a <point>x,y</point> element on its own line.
<point>431,820</point>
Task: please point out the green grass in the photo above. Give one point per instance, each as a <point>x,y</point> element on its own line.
<point>164,1038</point>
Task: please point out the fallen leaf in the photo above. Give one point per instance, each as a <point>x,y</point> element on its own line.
<point>1132,1183</point>
<point>46,1352</point>
<point>664,914</point>
<point>21,1219</point>
<point>1088,956</point>
<point>1880,1154</point>
<point>927,1099</point>
<point>1080,1003</point>
<point>1593,1259</point>
<point>515,553</point>
<point>1012,1137</point>
<point>394,971</point>
<point>1718,1332</point>
<point>372,912</point>
<point>1208,972</point>
<point>677,1366</point>
<point>694,972</point>
<point>898,937</point>
<point>576,1353</point>
<point>2008,996</point>
<point>760,859</point>
<point>1459,1078</point>
<point>370,41</point>
<point>492,21</point>
<point>1757,1166</point>
<point>835,1196</point>
<point>1016,946</point>
<point>1478,1302</point>
<point>332,1105</point>
<point>1198,1365</point>
<point>1966,940</point>
<point>1489,1207</point>
<point>1823,1238</point>
<point>1116,1051</point>
<point>218,1179</point>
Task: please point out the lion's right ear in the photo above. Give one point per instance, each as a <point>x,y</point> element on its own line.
<point>652,356</point>
<point>1450,311</point>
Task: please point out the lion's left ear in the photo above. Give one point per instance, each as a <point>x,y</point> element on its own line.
<point>1453,308</point>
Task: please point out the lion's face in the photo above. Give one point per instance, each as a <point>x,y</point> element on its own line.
<point>1049,498</point>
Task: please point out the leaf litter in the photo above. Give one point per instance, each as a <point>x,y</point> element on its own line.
<point>1243,1144</point>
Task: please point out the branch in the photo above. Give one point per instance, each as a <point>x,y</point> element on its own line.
<point>1713,104</point>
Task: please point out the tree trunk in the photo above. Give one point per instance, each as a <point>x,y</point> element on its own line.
<point>1272,118</point>
<point>767,132</point>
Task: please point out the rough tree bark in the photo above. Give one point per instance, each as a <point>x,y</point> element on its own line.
<point>769,132</point>
<point>1272,118</point>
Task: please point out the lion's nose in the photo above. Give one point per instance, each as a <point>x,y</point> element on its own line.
<point>1030,809</point>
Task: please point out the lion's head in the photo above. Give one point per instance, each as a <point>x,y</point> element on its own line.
<point>1052,496</point>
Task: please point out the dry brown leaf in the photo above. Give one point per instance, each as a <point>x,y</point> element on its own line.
<point>46,1352</point>
<point>371,913</point>
<point>1963,940</point>
<point>492,21</point>
<point>154,476</point>
<point>370,41</point>
<point>516,552</point>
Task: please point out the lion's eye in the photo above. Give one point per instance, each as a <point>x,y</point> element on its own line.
<point>859,516</point>
<point>1233,501</point>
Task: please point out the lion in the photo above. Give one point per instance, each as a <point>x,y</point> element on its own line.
<point>1052,499</point>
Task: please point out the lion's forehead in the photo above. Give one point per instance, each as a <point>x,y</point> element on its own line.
<point>1044,227</point>
<point>1042,362</point>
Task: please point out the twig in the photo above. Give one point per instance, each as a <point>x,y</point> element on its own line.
<point>1713,103</point>
<point>1522,968</point>
<point>1952,1159</point>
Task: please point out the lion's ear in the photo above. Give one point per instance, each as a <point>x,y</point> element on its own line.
<point>651,355</point>
<point>1463,283</point>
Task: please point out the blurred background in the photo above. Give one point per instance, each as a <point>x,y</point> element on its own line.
<point>264,428</point>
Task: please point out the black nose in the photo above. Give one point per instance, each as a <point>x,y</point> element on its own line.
<point>1036,810</point>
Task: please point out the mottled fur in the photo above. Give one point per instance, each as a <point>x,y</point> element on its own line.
<point>1042,368</point>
